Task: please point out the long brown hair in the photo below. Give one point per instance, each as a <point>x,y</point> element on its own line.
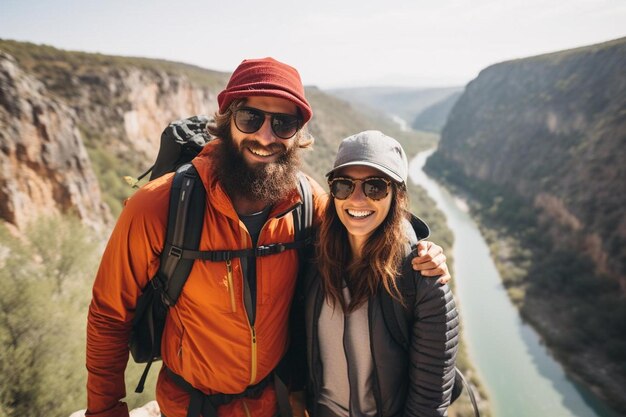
<point>380,261</point>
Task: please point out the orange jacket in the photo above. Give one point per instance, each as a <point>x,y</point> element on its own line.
<point>208,339</point>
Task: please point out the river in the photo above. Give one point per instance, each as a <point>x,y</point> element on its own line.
<point>521,377</point>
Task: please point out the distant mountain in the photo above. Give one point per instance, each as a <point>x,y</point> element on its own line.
<point>433,118</point>
<point>540,144</point>
<point>403,102</point>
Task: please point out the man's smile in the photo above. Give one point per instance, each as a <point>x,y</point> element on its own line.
<point>262,152</point>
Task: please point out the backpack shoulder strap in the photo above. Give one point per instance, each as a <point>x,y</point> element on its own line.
<point>303,215</point>
<point>184,228</point>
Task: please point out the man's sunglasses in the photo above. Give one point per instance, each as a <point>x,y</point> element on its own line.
<point>250,120</point>
<point>374,188</point>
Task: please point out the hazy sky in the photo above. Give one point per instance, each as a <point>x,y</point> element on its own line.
<point>332,42</point>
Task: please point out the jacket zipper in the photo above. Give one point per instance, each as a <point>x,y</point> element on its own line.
<point>253,369</point>
<point>253,345</point>
<point>378,395</point>
<point>316,362</point>
<point>231,291</point>
<point>345,354</point>
<point>253,354</point>
<point>253,359</point>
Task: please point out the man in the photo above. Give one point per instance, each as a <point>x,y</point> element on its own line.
<point>229,328</point>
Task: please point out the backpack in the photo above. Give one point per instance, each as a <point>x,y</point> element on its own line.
<point>399,319</point>
<point>180,142</point>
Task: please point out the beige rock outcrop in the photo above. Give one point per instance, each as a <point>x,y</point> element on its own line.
<point>44,167</point>
<point>46,123</point>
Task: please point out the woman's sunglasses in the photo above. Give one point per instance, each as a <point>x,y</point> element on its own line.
<point>250,120</point>
<point>374,188</point>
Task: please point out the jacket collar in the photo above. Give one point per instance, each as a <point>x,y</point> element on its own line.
<point>416,229</point>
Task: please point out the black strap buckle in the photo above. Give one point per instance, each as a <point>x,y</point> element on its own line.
<point>156,283</point>
<point>176,252</point>
<point>270,249</point>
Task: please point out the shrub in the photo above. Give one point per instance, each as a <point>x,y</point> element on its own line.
<point>44,279</point>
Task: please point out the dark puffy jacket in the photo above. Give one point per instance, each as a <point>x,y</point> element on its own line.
<point>414,383</point>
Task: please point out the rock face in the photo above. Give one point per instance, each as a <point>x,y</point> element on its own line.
<point>44,167</point>
<point>56,106</point>
<point>129,106</point>
<point>552,131</point>
<point>540,143</point>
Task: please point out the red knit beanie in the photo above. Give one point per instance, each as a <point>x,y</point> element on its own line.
<point>265,77</point>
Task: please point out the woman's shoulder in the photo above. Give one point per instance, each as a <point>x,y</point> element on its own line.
<point>415,230</point>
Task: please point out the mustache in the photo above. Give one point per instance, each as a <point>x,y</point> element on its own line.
<point>256,146</point>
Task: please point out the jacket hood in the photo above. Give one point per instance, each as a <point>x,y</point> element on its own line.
<point>416,229</point>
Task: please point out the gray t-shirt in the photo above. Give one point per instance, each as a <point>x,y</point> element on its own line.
<point>347,384</point>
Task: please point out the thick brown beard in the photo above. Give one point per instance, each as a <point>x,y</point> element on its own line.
<point>266,182</point>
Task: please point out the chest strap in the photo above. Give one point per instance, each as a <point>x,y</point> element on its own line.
<point>225,255</point>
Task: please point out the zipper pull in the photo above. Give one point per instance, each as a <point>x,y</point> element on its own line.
<point>230,284</point>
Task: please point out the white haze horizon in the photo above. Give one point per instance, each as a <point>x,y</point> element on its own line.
<point>347,44</point>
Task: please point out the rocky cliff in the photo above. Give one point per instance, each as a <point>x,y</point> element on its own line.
<point>539,145</point>
<point>60,110</point>
<point>44,165</point>
<point>552,130</point>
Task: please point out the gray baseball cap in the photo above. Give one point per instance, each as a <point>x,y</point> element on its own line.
<point>374,149</point>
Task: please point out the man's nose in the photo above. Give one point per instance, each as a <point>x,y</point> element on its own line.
<point>265,134</point>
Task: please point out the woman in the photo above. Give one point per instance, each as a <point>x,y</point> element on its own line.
<point>355,366</point>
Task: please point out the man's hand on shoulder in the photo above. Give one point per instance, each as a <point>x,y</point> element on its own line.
<point>431,262</point>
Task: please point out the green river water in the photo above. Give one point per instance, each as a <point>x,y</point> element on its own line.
<point>522,378</point>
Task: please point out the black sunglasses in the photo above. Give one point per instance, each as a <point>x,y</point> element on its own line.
<point>250,120</point>
<point>374,188</point>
